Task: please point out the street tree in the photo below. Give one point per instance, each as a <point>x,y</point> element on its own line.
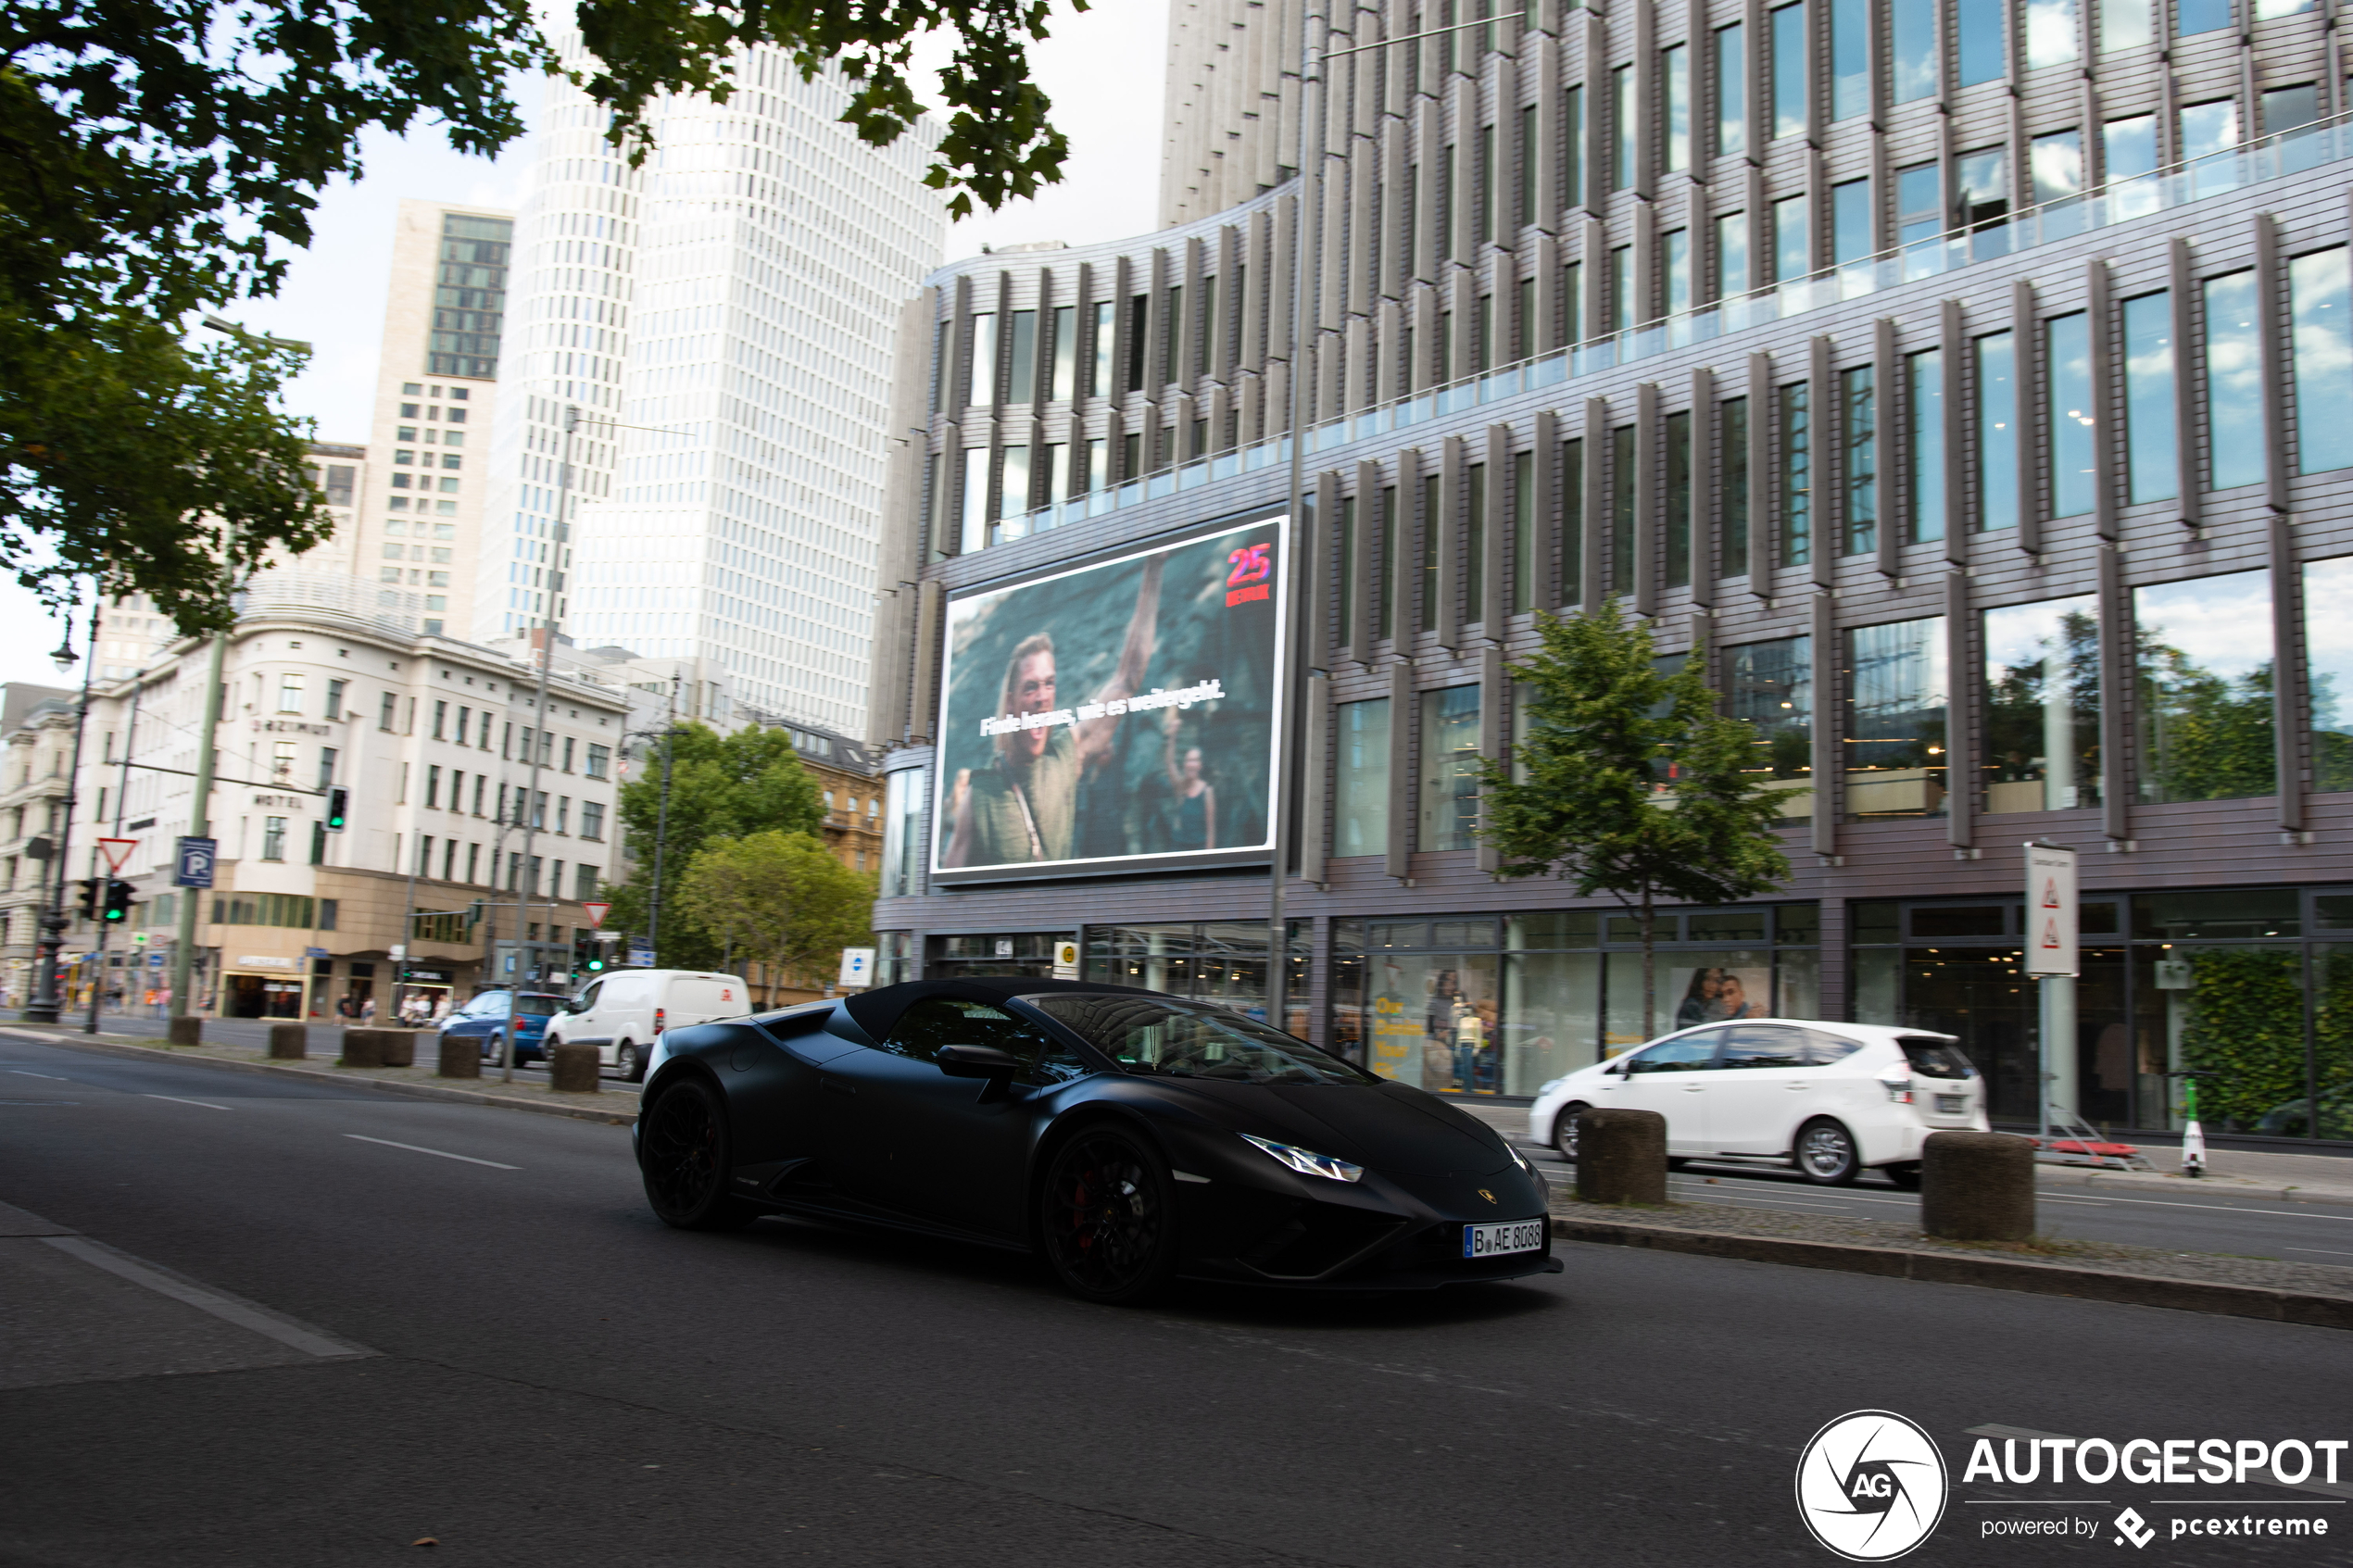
<point>781,900</point>
<point>159,159</point>
<point>1627,781</point>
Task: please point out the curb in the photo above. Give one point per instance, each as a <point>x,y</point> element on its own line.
<point>1995,1274</point>
<point>315,1075</point>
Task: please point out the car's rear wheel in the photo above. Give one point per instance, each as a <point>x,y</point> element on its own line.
<point>683,1158</point>
<point>1106,1219</point>
<point>1906,1176</point>
<point>1825,1153</point>
<point>1564,1130</point>
<point>624,1062</point>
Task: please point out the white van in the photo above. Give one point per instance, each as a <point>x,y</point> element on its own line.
<point>623,1012</point>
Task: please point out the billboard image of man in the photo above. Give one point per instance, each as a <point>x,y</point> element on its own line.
<point>1023,806</point>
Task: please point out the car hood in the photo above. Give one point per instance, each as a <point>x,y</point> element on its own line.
<point>1388,1127</point>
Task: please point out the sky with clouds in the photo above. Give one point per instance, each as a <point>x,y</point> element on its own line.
<point>1104,69</point>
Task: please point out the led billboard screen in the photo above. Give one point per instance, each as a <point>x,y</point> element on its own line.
<point>1126,711</point>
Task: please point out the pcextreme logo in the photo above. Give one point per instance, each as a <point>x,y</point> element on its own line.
<point>1870,1485</point>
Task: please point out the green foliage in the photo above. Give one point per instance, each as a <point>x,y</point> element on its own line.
<point>159,159</point>
<point>2204,736</point>
<point>720,787</point>
<point>1602,723</point>
<point>780,900</point>
<point>2246,1030</point>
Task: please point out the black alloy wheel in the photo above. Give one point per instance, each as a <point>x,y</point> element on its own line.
<point>1106,1218</point>
<point>1825,1153</point>
<point>1564,1130</point>
<point>685,1161</point>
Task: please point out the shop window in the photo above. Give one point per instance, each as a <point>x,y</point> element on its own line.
<point>2205,686</point>
<point>2043,706</point>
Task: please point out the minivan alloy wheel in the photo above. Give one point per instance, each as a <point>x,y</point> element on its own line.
<point>1825,1153</point>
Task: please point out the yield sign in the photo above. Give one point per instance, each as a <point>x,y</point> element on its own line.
<point>117,850</point>
<point>596,914</point>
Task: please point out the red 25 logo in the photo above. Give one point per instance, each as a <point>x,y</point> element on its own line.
<point>1249,565</point>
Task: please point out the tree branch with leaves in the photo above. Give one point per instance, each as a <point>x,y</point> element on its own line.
<point>1627,781</point>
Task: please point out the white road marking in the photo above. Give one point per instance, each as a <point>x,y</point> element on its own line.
<point>2324,1251</point>
<point>21,1073</point>
<point>177,1100</point>
<point>225,1308</point>
<point>420,1148</point>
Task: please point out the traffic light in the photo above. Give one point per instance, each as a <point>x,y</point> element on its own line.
<point>89,885</point>
<point>118,901</point>
<point>594,951</point>
<point>338,807</point>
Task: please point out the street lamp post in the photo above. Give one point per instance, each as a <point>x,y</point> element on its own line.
<point>540,743</point>
<point>46,1006</point>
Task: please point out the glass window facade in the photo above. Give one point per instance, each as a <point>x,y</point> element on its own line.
<point>1911,26</point>
<point>1980,36</point>
<point>2234,382</point>
<point>1797,476</point>
<point>2050,32</point>
<point>1731,90</point>
<point>1480,1005</point>
<point>1858,411</point>
<point>2205,687</point>
<point>1924,448</point>
<point>1789,68</point>
<point>2321,310</point>
<point>2328,654</point>
<point>2072,416</point>
<point>1997,433</point>
<point>2043,706</point>
<point>903,826</point>
<point>2152,460</point>
<point>1223,962</point>
<point>1895,720</point>
<point>1770,686</point>
<point>2251,988</point>
<point>1850,58</point>
<point>1731,484</point>
<point>1675,95</point>
<point>1450,768</point>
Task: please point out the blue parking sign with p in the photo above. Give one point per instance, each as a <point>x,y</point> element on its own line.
<point>196,861</point>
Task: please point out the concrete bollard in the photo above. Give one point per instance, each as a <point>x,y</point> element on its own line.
<point>460,1057</point>
<point>362,1047</point>
<point>399,1046</point>
<point>1977,1186</point>
<point>1622,1157</point>
<point>184,1030</point>
<point>289,1042</point>
<point>573,1068</point>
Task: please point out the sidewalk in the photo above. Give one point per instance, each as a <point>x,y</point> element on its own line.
<point>2287,1178</point>
<point>614,1102</point>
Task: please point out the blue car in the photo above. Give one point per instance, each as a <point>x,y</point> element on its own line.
<point>488,1017</point>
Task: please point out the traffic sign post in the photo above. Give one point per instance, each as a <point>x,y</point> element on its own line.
<point>2053,941</point>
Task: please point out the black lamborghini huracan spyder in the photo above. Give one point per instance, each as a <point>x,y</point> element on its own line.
<point>1129,1137</point>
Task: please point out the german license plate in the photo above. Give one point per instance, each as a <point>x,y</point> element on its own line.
<point>1951,1105</point>
<point>1494,1241</point>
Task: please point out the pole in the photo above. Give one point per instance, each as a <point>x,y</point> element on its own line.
<point>184,946</point>
<point>123,785</point>
<point>47,1006</point>
<point>539,743</point>
<point>662,823</point>
<point>1306,237</point>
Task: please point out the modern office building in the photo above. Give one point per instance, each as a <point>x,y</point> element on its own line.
<point>418,527</point>
<point>1962,384</point>
<point>722,319</point>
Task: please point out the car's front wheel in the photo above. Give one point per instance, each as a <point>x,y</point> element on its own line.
<point>1564,1130</point>
<point>684,1158</point>
<point>1825,1153</point>
<point>1106,1217</point>
<point>490,1047</point>
<point>625,1062</point>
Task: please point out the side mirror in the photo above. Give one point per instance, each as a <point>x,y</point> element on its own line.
<point>978,1061</point>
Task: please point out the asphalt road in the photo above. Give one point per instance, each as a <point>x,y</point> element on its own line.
<point>504,1352</point>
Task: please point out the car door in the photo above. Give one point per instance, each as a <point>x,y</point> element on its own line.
<point>903,1136</point>
<point>1758,1087</point>
<point>578,1025</point>
<point>1673,1078</point>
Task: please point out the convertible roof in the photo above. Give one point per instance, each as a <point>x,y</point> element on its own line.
<point>876,1012</point>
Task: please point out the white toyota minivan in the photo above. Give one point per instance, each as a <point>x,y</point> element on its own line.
<point>623,1012</point>
<point>1833,1099</point>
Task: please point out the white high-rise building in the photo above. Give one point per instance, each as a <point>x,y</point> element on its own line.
<point>721,318</point>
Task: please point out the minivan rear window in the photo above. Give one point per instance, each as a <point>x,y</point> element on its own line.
<point>1936,1059</point>
<point>535,1007</point>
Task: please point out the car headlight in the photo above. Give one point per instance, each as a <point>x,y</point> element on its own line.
<point>1519,1159</point>
<point>1305,1161</point>
<point>1544,1089</point>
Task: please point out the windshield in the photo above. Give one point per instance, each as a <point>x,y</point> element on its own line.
<point>1154,1035</point>
<point>537,1007</point>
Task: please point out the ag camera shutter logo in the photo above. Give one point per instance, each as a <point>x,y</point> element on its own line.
<point>1870,1485</point>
